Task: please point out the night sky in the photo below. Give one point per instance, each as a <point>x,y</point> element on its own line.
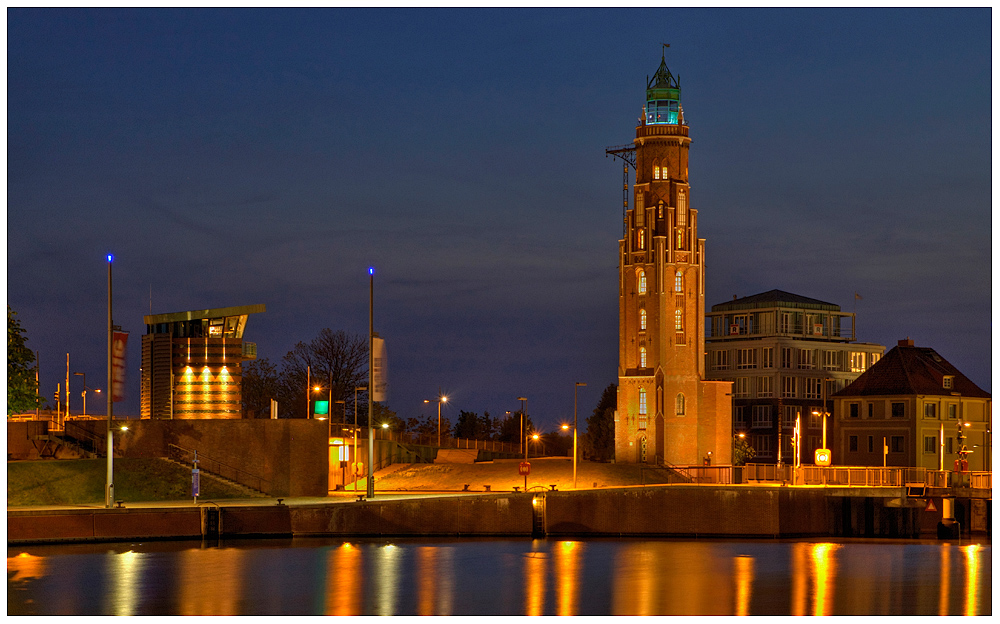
<point>235,157</point>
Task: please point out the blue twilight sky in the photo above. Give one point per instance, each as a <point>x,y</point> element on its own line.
<point>232,157</point>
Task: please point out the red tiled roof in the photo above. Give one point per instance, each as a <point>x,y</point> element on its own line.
<point>907,370</point>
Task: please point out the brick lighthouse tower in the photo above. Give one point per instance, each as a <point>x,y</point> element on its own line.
<point>667,412</point>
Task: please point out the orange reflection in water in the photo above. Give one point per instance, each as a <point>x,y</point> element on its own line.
<point>972,563</point>
<point>568,566</point>
<point>435,581</point>
<point>344,581</point>
<point>814,566</point>
<point>671,578</point>
<point>743,573</point>
<point>945,583</point>
<point>210,581</point>
<point>535,569</point>
<point>25,566</point>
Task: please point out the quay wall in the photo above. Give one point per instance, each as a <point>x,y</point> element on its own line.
<point>664,511</point>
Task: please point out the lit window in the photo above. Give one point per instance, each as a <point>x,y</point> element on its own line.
<point>660,210</point>
<point>679,282</point>
<point>642,319</point>
<point>642,282</point>
<point>656,170</point>
<point>642,238</point>
<point>680,238</point>
<point>680,404</point>
<point>642,402</point>
<point>642,357</point>
<point>678,321</point>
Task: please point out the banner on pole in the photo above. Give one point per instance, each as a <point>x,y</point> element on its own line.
<point>378,369</point>
<point>120,340</point>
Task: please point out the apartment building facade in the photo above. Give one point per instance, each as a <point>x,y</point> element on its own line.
<point>786,355</point>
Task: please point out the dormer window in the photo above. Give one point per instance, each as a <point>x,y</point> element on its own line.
<point>949,382</point>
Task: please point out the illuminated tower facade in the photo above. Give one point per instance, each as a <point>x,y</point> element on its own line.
<point>667,412</point>
<point>192,363</point>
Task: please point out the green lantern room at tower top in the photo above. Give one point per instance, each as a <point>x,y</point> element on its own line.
<point>663,97</point>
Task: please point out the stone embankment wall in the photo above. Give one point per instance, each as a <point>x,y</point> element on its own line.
<point>669,511</point>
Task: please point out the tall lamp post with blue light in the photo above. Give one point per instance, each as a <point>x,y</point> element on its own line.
<point>371,378</point>
<point>109,486</point>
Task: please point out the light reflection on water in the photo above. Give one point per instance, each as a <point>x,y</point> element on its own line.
<point>503,577</point>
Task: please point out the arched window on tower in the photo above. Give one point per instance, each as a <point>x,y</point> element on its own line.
<point>642,282</point>
<point>659,214</point>
<point>680,238</point>
<point>641,234</point>
<point>642,403</point>
<point>656,170</point>
<point>679,282</point>
<point>642,319</point>
<point>642,357</point>
<point>680,404</point>
<point>678,321</point>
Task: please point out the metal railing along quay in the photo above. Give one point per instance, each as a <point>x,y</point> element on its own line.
<point>842,476</point>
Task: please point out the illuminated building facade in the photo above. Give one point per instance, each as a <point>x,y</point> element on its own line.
<point>782,351</point>
<point>667,411</point>
<point>914,402</point>
<point>191,363</point>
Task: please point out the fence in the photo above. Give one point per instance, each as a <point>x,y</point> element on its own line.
<point>425,439</point>
<point>221,469</point>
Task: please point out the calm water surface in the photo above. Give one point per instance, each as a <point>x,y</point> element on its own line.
<point>502,577</point>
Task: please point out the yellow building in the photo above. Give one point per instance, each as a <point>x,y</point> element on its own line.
<point>913,408</point>
<point>667,412</point>
<point>191,363</point>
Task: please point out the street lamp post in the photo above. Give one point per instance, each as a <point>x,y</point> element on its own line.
<point>355,467</point>
<point>84,393</point>
<point>441,399</point>
<point>343,419</point>
<point>524,402</point>
<point>575,388</point>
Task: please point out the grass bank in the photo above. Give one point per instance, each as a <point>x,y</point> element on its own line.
<point>81,482</point>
